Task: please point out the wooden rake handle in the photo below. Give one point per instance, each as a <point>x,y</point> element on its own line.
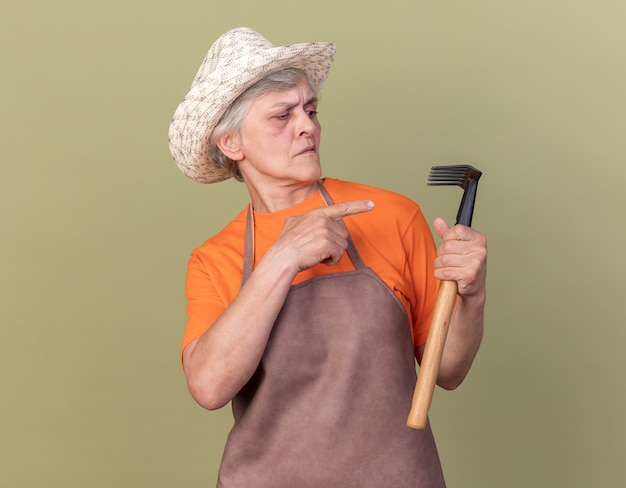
<point>429,367</point>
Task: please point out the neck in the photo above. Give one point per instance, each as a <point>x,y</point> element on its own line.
<point>279,198</point>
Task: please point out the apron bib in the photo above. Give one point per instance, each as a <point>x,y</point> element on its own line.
<point>327,405</point>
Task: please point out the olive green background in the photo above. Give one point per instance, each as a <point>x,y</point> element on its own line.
<point>97,223</point>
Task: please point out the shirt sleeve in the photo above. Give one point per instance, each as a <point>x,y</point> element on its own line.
<point>421,252</point>
<point>204,305</point>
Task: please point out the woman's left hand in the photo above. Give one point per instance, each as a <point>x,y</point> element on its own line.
<point>462,257</point>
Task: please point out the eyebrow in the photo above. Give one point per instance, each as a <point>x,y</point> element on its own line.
<point>290,105</point>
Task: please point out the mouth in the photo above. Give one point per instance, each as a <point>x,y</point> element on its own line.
<point>308,150</point>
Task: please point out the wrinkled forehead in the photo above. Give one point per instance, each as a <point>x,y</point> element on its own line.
<point>300,95</point>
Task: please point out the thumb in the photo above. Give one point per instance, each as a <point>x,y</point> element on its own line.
<point>440,226</point>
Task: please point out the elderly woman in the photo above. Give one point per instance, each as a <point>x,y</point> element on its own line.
<point>308,310</point>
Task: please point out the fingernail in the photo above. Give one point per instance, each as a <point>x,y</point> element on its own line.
<point>370,204</point>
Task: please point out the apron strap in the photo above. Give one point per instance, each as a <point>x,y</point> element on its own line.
<point>248,249</point>
<point>354,255</point>
<point>248,252</point>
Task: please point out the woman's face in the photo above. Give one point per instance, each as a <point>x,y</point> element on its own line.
<point>279,139</point>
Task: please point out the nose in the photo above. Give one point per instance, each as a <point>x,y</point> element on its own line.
<point>307,124</point>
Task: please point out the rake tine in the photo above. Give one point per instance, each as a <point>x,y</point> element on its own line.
<point>458,175</point>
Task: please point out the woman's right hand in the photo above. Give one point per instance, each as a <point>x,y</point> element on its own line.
<point>319,236</point>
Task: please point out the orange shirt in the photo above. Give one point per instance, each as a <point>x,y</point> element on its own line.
<point>393,240</point>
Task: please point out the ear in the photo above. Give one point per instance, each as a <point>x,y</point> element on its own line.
<point>229,145</point>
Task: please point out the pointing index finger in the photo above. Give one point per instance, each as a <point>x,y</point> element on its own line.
<point>343,209</point>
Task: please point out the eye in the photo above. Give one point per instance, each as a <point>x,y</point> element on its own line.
<point>282,116</point>
<point>311,113</point>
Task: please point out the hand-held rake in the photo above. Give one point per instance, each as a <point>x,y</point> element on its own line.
<point>467,178</point>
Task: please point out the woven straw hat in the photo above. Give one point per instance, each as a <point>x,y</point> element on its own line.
<point>237,60</point>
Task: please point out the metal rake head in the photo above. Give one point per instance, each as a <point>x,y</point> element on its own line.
<point>458,174</point>
<point>462,175</point>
